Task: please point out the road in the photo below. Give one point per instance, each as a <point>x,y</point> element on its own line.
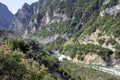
<point>107,69</point>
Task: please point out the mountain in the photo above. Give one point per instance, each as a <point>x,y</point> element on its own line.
<point>86,30</point>
<point>5,17</point>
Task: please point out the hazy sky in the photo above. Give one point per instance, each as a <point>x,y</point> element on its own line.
<point>14,5</point>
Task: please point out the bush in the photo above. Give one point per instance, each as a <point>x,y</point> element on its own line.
<point>111,41</point>
<point>101,41</point>
<point>19,45</point>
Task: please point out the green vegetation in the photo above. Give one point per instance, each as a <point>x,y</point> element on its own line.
<point>14,66</point>
<point>79,12</point>
<point>110,25</point>
<point>43,66</point>
<point>57,44</point>
<point>78,72</point>
<point>88,48</point>
<point>54,28</point>
<point>83,18</point>
<point>101,41</point>
<point>111,41</point>
<point>18,44</point>
<point>28,60</point>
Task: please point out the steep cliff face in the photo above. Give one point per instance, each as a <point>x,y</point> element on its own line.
<point>5,17</point>
<point>21,18</point>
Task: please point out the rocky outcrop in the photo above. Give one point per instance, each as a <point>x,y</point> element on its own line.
<point>111,11</point>
<point>5,17</point>
<point>93,59</point>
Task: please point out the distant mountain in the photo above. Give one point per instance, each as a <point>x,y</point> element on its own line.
<point>5,16</point>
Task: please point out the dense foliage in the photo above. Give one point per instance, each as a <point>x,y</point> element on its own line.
<point>42,66</point>
<point>88,48</point>
<point>14,66</point>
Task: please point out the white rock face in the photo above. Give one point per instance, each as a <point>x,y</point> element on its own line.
<point>47,17</point>
<point>111,11</point>
<point>25,35</point>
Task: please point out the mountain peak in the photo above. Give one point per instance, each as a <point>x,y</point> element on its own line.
<point>26,4</point>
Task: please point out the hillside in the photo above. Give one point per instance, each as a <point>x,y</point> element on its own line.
<point>18,61</point>
<point>77,28</point>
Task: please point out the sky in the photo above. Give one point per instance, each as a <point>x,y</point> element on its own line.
<point>14,5</point>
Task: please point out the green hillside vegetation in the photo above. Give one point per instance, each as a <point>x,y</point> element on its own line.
<point>85,49</point>
<point>42,66</point>
<point>78,72</point>
<point>14,66</point>
<point>86,19</point>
